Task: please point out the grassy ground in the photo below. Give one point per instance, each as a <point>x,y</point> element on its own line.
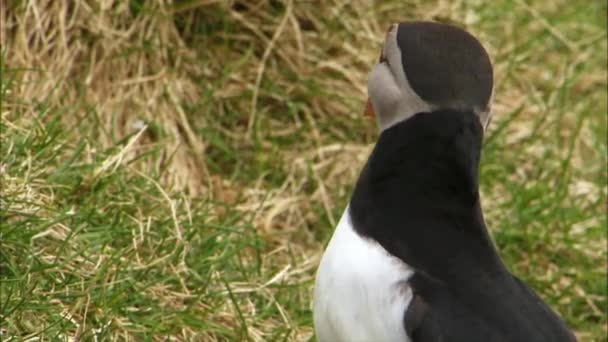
<point>174,169</point>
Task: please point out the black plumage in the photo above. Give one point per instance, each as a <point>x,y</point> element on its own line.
<point>418,197</point>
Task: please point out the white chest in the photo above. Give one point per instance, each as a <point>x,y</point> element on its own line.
<point>361,291</point>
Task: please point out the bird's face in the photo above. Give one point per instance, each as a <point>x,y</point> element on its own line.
<point>427,66</point>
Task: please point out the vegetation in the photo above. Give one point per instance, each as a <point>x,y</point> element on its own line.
<point>174,168</point>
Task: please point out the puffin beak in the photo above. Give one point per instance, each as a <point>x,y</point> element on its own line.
<point>369,110</point>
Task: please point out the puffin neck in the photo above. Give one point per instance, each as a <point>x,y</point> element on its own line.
<point>429,156</point>
<point>421,177</point>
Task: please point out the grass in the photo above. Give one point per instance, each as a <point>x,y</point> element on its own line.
<point>174,169</point>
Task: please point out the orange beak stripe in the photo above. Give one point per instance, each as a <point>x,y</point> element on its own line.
<point>369,110</point>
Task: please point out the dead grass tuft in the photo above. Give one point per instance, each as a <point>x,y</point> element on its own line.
<point>131,68</point>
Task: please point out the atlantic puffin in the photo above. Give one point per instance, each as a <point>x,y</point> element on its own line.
<point>411,258</point>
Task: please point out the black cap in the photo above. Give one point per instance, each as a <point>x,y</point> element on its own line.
<point>445,65</point>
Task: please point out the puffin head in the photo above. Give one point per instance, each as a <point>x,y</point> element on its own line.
<point>427,66</point>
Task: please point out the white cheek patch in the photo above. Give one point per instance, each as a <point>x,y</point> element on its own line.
<point>384,93</point>
<point>393,55</point>
<point>391,95</point>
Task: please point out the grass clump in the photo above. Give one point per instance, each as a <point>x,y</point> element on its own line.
<point>173,169</point>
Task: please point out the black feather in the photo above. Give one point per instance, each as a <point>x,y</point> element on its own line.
<point>418,197</point>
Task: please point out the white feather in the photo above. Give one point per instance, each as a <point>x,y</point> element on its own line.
<point>361,291</point>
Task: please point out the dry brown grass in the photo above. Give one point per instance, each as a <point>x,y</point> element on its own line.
<point>131,68</point>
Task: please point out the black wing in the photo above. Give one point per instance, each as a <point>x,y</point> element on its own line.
<point>437,314</point>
